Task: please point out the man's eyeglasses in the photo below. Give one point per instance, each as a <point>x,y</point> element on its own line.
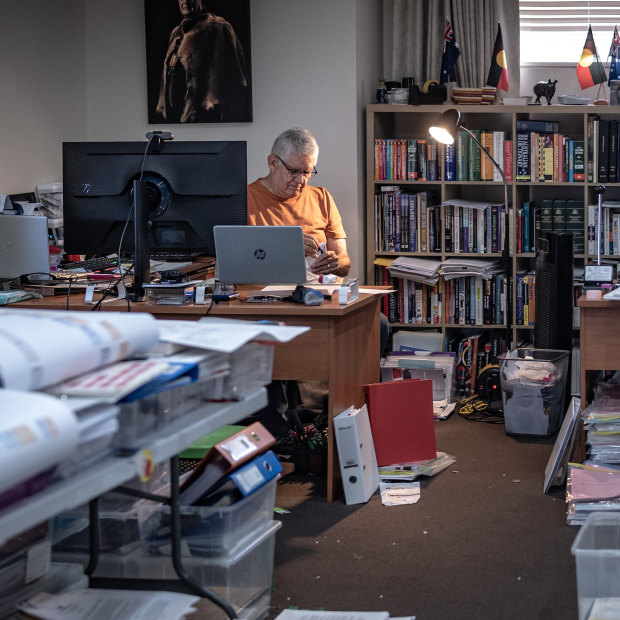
<point>293,172</point>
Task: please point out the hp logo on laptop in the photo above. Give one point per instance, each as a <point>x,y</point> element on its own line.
<point>260,254</point>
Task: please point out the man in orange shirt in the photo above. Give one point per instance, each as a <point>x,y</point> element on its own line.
<point>284,198</point>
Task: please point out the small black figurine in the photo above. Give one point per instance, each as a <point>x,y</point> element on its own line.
<point>545,89</point>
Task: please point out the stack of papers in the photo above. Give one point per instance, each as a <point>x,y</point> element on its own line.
<point>458,267</point>
<point>423,270</point>
<point>602,425</point>
<point>591,487</point>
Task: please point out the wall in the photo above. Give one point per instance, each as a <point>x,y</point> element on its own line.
<point>81,75</point>
<point>43,89</point>
<point>566,75</point>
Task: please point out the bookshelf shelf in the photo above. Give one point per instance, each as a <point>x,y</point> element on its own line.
<point>575,125</point>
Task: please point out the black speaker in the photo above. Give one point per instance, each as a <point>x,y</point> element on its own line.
<point>553,328</point>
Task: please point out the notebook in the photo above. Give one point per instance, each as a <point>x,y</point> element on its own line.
<point>24,245</point>
<point>259,255</point>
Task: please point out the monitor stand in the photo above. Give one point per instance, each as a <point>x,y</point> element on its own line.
<point>142,261</point>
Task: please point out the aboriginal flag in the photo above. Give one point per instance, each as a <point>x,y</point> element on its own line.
<point>614,52</point>
<point>451,52</point>
<point>590,70</point>
<point>498,73</point>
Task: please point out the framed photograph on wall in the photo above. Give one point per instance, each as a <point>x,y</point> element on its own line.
<point>198,61</point>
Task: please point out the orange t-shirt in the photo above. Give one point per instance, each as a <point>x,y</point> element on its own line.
<point>314,210</point>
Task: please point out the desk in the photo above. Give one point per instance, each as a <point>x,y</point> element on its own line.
<point>341,348</point>
<point>599,341</point>
<point>599,349</point>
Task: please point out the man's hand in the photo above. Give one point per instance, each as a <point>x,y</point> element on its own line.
<point>327,262</point>
<point>311,246</point>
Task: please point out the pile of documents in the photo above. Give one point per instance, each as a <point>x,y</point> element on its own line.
<point>460,266</point>
<point>591,487</point>
<point>602,424</point>
<point>595,485</point>
<point>423,270</point>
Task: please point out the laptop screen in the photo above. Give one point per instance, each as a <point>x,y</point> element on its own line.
<point>259,255</point>
<point>24,245</point>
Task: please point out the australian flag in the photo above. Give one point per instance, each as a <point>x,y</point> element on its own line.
<point>614,52</point>
<point>451,51</point>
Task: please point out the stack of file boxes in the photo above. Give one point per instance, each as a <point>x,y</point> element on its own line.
<point>229,550</point>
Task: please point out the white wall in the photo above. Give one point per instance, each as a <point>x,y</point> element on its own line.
<point>42,89</point>
<point>83,77</point>
<point>567,81</point>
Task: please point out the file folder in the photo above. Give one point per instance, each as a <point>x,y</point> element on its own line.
<point>223,458</point>
<point>401,420</point>
<point>356,452</point>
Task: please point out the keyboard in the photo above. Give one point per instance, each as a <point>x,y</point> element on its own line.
<point>103,263</point>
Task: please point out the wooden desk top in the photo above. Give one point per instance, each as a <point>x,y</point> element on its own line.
<point>239,306</point>
<point>582,302</point>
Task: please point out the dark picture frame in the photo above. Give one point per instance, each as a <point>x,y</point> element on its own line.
<point>214,84</point>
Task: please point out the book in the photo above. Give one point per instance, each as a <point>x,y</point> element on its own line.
<point>222,459</point>
<point>603,151</point>
<point>486,165</point>
<point>575,223</point>
<point>524,172</point>
<point>546,215</point>
<point>508,160</point>
<point>579,161</point>
<point>525,125</point>
<point>558,215</point>
<point>401,420</point>
<point>612,174</point>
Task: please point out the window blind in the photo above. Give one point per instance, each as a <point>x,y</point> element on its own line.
<point>568,15</point>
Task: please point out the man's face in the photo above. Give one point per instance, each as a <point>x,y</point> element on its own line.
<point>283,183</point>
<point>189,7</point>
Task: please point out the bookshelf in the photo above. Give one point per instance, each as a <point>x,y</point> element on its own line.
<point>555,195</point>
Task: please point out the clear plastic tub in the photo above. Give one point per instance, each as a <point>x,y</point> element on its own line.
<point>212,531</point>
<point>533,390</point>
<point>597,558</point>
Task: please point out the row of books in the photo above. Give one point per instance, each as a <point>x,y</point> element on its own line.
<point>610,228</point>
<point>479,228</point>
<point>399,159</point>
<point>474,353</point>
<point>463,160</point>
<point>406,221</point>
<point>550,215</point>
<point>546,155</point>
<point>410,222</point>
<point>603,154</point>
<point>466,300</point>
<point>525,296</point>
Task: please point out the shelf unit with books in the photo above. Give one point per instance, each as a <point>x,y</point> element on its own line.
<point>552,158</point>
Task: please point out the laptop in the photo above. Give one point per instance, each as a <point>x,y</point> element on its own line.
<point>24,245</point>
<point>259,255</point>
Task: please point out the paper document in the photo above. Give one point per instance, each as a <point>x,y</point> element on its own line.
<point>399,493</point>
<point>306,614</point>
<point>100,604</point>
<point>39,348</point>
<point>37,431</point>
<point>224,335</point>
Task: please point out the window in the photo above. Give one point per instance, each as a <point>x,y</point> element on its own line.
<point>554,31</point>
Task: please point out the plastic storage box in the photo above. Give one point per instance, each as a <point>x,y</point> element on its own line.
<point>533,389</point>
<point>597,558</point>
<point>213,531</point>
<point>243,576</point>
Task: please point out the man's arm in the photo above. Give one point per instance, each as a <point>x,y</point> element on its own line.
<point>335,260</point>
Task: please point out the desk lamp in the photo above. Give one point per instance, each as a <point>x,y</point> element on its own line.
<point>444,130</point>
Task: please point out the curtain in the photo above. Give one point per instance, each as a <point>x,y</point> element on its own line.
<point>413,39</point>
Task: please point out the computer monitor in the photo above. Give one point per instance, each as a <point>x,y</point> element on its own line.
<point>190,187</point>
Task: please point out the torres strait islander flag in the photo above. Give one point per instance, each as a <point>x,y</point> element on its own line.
<point>590,70</point>
<point>498,73</point>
